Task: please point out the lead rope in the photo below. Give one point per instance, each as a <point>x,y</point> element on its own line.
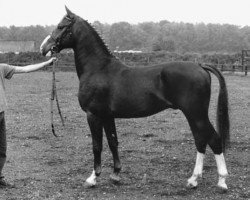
<point>52,98</point>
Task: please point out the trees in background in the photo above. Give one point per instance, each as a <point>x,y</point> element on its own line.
<point>151,36</point>
<point>27,33</point>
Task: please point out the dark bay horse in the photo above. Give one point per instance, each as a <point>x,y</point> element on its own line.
<point>109,89</point>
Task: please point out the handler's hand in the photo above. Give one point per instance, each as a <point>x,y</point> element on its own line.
<point>52,60</point>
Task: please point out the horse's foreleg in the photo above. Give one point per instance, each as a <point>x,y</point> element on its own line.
<point>110,130</point>
<point>96,128</point>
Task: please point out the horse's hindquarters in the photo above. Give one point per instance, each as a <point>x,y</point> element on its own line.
<point>187,86</point>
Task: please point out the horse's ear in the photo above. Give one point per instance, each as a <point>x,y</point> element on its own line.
<point>69,13</point>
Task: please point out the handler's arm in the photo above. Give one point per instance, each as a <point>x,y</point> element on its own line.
<point>34,67</point>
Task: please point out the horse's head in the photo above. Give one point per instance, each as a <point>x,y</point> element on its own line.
<point>62,36</point>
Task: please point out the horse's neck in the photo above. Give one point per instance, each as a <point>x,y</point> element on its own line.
<point>86,61</point>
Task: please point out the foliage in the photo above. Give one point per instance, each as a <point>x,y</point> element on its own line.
<point>148,36</point>
<point>158,57</point>
<point>33,33</point>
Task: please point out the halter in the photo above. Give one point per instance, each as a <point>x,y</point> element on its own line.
<point>67,30</point>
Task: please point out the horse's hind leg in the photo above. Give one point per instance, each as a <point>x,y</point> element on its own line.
<point>192,181</point>
<point>96,128</point>
<point>110,130</point>
<point>200,135</point>
<point>204,134</point>
<point>216,145</point>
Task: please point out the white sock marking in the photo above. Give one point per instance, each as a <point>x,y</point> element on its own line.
<point>199,164</point>
<point>92,179</point>
<point>221,165</point>
<point>222,170</point>
<point>192,181</point>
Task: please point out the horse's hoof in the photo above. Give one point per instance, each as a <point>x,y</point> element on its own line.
<point>222,189</point>
<point>88,185</point>
<point>192,185</point>
<point>115,178</point>
<point>222,186</point>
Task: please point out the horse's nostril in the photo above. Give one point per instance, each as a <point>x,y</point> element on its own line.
<point>54,49</point>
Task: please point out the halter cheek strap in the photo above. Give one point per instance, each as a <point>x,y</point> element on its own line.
<point>67,29</point>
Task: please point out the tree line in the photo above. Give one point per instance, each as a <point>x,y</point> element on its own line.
<point>152,36</point>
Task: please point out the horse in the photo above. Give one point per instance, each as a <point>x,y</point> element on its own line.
<point>109,89</point>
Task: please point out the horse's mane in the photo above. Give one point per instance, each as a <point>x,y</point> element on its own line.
<point>98,38</point>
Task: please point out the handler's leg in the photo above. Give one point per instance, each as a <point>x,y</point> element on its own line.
<point>3,148</point>
<point>3,145</point>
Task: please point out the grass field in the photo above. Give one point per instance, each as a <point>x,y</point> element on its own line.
<point>157,152</point>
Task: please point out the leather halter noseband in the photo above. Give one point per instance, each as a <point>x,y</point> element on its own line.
<point>67,29</point>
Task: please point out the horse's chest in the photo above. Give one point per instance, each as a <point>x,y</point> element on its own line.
<point>93,98</point>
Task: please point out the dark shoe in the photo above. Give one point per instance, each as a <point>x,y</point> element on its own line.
<point>4,184</point>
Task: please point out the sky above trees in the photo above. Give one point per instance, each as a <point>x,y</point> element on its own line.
<point>49,12</point>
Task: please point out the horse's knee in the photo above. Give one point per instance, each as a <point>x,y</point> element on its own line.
<point>112,141</point>
<point>97,148</point>
<point>113,144</point>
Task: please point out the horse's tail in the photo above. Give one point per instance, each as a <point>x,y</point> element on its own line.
<point>223,123</point>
